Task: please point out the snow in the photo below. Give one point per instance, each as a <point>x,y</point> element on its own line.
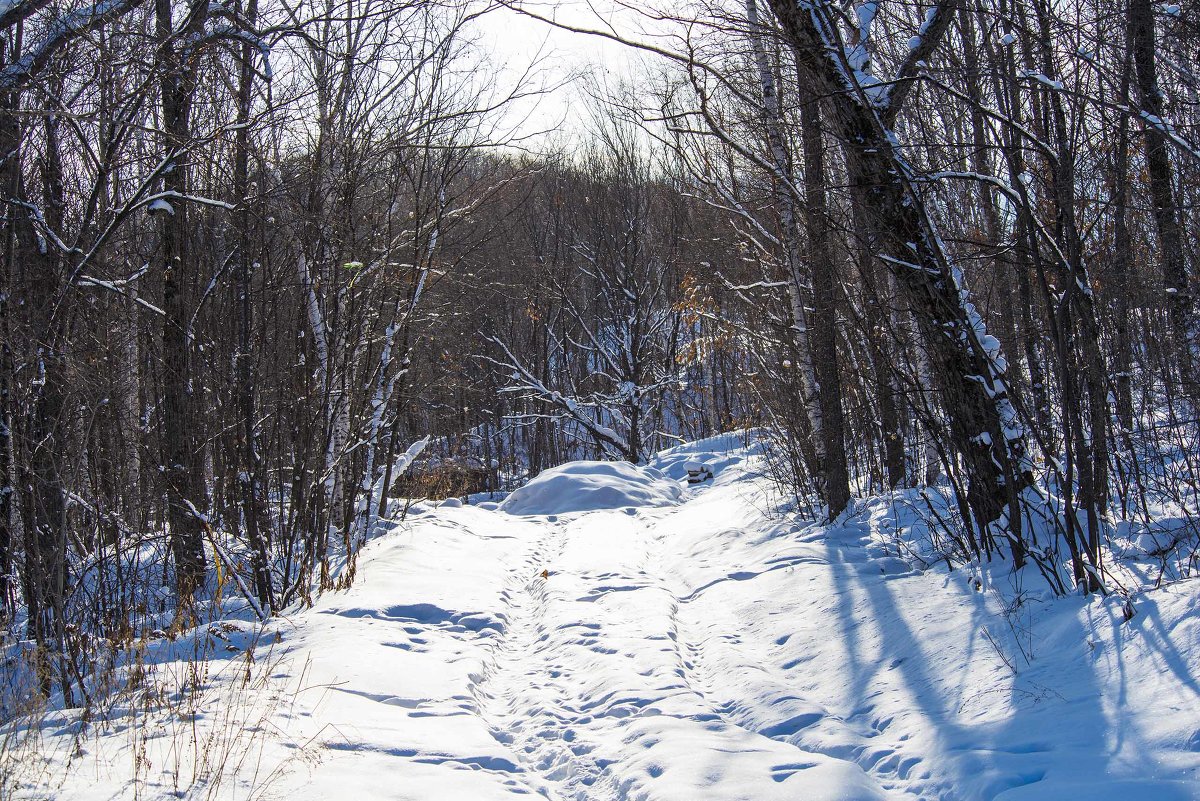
<point>160,204</point>
<point>589,486</point>
<point>930,15</point>
<point>866,16</point>
<point>720,453</point>
<point>672,645</point>
<point>1045,80</point>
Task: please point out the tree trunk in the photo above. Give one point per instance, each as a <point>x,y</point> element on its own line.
<point>10,505</point>
<point>1158,165</point>
<point>1079,335</point>
<point>815,344</point>
<point>182,471</point>
<point>253,505</point>
<point>823,339</point>
<point>1121,264</point>
<point>967,364</point>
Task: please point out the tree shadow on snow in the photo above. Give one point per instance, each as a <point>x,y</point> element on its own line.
<point>954,692</point>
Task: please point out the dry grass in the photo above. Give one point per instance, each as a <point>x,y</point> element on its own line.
<point>197,719</point>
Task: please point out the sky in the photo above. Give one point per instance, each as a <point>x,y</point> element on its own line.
<point>516,42</point>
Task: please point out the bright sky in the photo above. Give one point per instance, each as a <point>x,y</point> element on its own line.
<point>517,41</point>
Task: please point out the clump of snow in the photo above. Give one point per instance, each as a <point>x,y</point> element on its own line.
<point>160,205</point>
<point>588,486</point>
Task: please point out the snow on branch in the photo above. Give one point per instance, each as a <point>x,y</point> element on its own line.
<point>61,32</point>
<point>14,11</point>
<point>370,506</point>
<point>224,558</point>
<point>119,288</point>
<point>1168,130</point>
<point>524,379</point>
<point>846,65</point>
<point>406,459</point>
<point>920,49</point>
<point>242,33</point>
<point>161,201</point>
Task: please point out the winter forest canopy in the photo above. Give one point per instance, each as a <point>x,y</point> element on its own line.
<point>269,268</point>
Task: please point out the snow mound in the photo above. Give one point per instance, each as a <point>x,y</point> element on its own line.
<point>718,452</point>
<point>588,486</point>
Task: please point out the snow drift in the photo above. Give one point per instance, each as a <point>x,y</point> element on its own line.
<point>590,486</point>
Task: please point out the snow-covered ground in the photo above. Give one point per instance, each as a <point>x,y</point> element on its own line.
<point>669,643</point>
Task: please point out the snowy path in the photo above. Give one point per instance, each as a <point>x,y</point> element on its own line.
<point>706,650</point>
<point>595,691</point>
<point>524,693</point>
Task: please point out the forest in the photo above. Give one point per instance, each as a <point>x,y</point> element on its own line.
<point>271,269</point>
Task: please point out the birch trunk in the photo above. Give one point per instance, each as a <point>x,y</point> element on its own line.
<point>381,396</point>
<point>785,204</point>
<point>824,335</point>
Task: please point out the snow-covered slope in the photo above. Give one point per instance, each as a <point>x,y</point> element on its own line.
<point>704,649</point>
